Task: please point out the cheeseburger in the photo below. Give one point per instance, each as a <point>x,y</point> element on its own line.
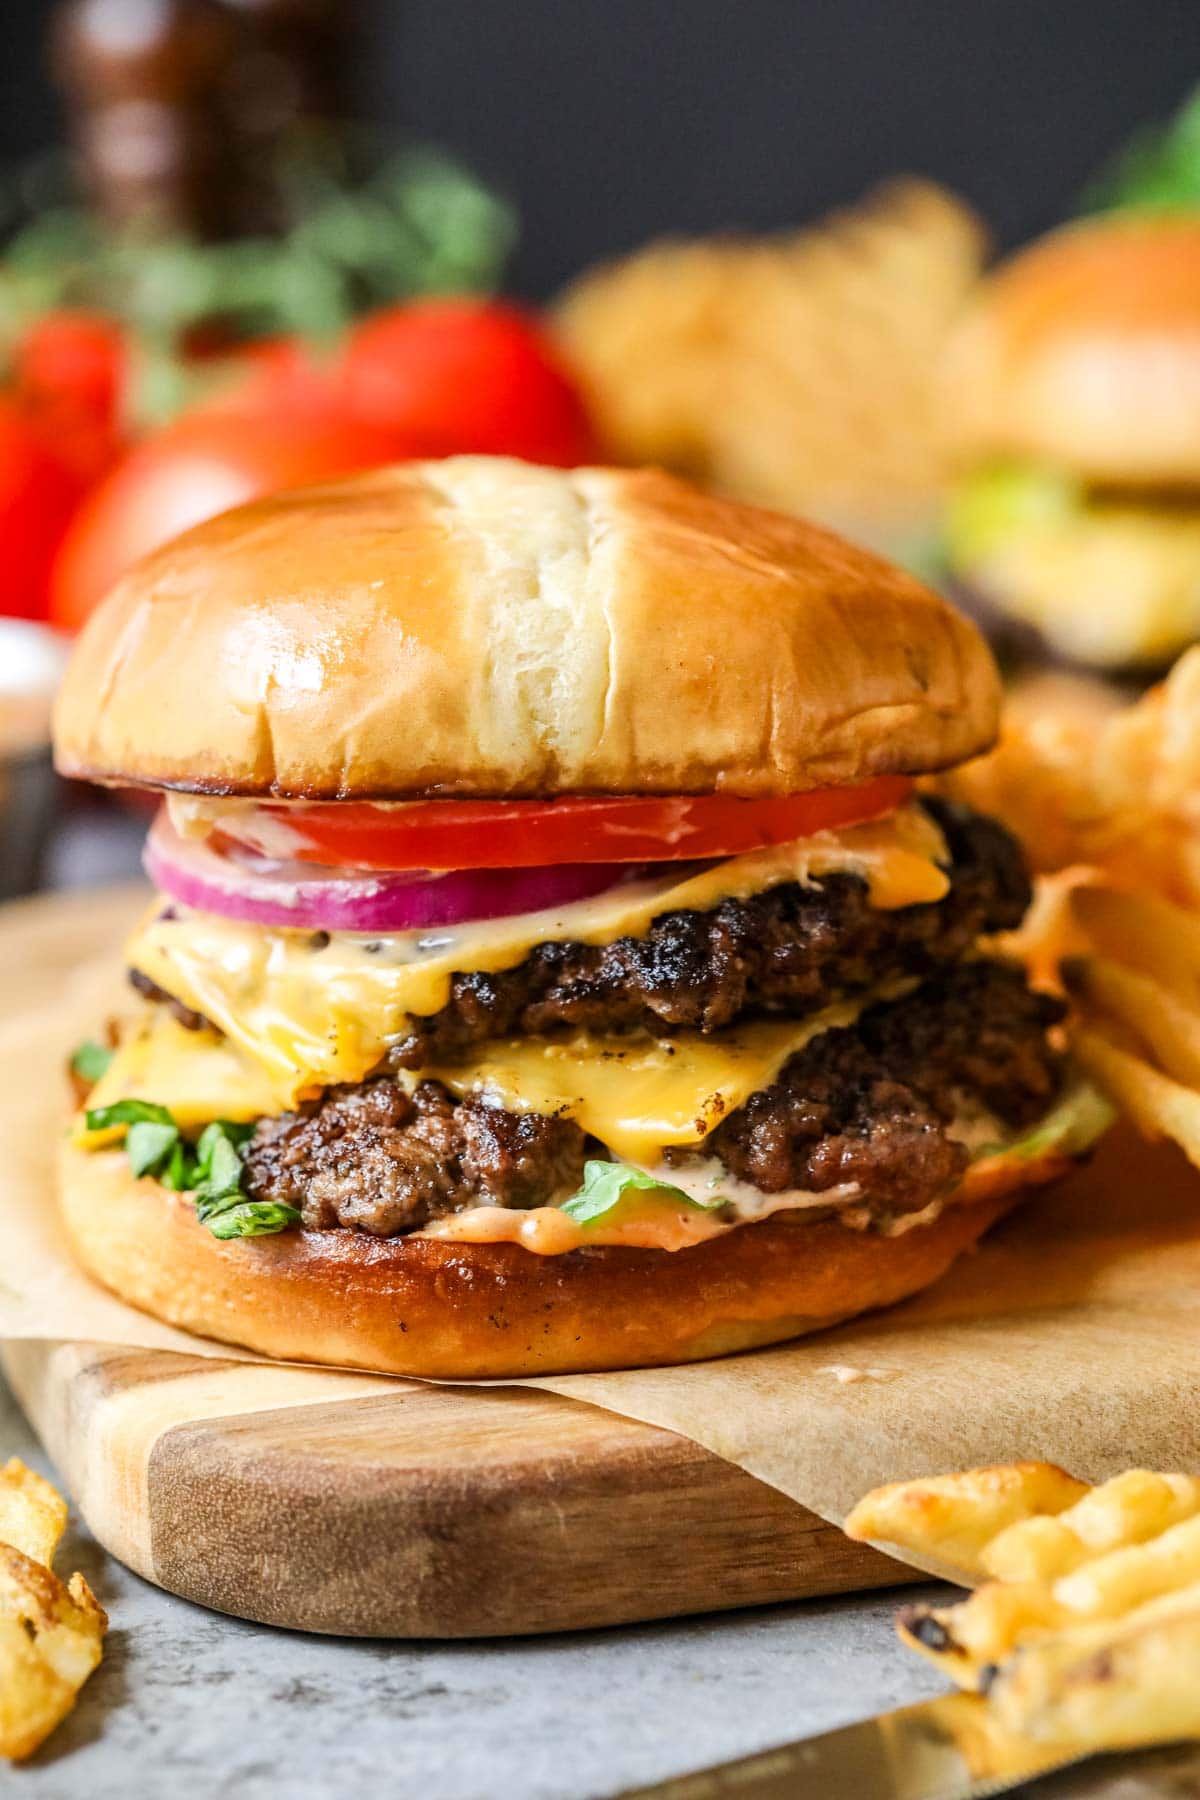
<point>1075,385</point>
<point>552,966</point>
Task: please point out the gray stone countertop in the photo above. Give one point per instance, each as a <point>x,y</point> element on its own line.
<point>188,1702</point>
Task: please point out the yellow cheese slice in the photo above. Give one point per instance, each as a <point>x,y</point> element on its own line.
<point>636,1094</point>
<point>641,1095</point>
<point>313,1009</point>
<point>197,1075</point>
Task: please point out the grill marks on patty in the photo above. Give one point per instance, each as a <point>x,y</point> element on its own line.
<point>790,950</point>
<point>869,1103</point>
<point>376,1159</point>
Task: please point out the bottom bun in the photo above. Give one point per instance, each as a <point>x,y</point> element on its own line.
<point>420,1306</point>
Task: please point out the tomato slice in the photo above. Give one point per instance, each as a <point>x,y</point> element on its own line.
<point>521,834</point>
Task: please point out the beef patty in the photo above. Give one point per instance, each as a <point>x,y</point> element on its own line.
<point>869,1104</point>
<point>790,950</point>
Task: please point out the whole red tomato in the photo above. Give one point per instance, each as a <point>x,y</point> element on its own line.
<point>202,464</point>
<point>39,493</point>
<point>467,375</point>
<point>70,369</point>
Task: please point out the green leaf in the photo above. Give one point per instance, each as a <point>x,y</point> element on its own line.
<point>607,1184</point>
<point>127,1112</point>
<point>1157,170</point>
<point>221,1172</point>
<point>1081,1117</point>
<point>148,1144</point>
<point>179,1174</point>
<point>220,1130</point>
<point>253,1218</point>
<point>91,1060</point>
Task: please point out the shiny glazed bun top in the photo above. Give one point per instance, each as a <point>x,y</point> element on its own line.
<point>483,627</point>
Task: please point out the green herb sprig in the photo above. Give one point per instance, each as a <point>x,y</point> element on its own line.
<point>211,1170</point>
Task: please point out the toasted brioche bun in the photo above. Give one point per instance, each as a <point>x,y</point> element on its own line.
<point>1084,350</point>
<point>426,1307</point>
<point>481,627</point>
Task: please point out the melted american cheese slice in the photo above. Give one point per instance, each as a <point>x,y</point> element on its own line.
<point>197,1075</point>
<point>638,1095</point>
<point>311,1011</point>
<point>643,1095</point>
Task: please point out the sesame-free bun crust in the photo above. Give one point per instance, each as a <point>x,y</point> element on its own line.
<point>425,1307</point>
<point>482,627</point>
<point>1084,351</point>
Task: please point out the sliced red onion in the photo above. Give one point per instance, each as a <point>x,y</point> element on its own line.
<point>238,885</point>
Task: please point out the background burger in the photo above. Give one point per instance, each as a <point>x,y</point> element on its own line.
<point>552,966</point>
<point>1075,382</point>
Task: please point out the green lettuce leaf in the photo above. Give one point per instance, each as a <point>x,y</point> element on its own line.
<point>607,1184</point>
<point>127,1112</point>
<point>1081,1117</point>
<point>150,1145</point>
<point>253,1218</point>
<point>91,1060</point>
<point>211,1171</point>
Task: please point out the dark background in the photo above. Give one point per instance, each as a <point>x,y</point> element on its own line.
<point>612,120</point>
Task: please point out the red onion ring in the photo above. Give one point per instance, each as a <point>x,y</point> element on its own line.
<point>253,889</point>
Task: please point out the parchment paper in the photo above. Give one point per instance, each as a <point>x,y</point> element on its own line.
<point>1072,1334</point>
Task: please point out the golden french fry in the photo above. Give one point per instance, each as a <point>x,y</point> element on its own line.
<point>1158,1106</point>
<point>1112,1686</point>
<point>1116,1583</point>
<point>1165,1026</point>
<point>1129,1509</point>
<point>966,1640</point>
<point>953,1517</point>
<point>50,1641</point>
<point>33,1515</point>
<point>1143,932</point>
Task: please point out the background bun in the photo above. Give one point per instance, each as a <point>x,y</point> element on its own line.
<point>1085,351</point>
<point>485,627</point>
<point>421,1306</point>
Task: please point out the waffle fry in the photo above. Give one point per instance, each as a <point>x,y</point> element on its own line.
<point>800,371</point>
<point>51,1634</point>
<point>1088,1632</point>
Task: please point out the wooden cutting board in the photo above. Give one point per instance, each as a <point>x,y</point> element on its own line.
<point>381,1508</point>
<point>372,1507</point>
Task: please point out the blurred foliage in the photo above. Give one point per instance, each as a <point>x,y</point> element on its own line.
<point>415,223</point>
<point>1158,170</point>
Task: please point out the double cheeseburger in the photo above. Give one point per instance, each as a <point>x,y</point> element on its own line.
<point>1075,385</point>
<point>552,966</point>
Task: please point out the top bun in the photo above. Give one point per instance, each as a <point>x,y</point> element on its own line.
<point>481,627</point>
<point>1085,351</point>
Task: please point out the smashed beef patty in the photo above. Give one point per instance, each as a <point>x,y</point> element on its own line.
<point>376,1159</point>
<point>870,1103</point>
<point>791,950</point>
